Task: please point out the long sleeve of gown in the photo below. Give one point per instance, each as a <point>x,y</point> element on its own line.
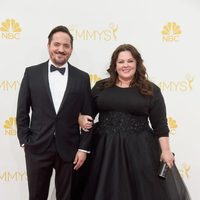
<point>157,114</point>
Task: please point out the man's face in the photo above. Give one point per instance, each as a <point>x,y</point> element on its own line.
<point>60,48</point>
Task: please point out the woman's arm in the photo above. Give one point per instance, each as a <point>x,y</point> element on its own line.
<point>166,154</point>
<point>85,122</point>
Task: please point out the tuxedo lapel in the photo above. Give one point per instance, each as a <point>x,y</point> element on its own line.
<point>46,83</point>
<point>68,87</point>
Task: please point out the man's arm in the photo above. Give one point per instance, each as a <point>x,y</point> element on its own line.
<point>86,110</point>
<point>23,109</point>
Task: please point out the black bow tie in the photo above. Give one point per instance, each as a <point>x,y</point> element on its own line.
<point>61,70</point>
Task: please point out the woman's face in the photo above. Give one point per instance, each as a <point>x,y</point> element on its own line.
<point>125,66</point>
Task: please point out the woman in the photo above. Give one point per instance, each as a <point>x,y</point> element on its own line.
<point>126,150</point>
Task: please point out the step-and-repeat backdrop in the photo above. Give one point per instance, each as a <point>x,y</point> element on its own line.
<point>166,33</point>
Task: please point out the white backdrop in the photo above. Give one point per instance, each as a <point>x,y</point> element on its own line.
<point>165,32</point>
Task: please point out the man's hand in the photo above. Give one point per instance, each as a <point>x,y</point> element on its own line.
<point>79,159</point>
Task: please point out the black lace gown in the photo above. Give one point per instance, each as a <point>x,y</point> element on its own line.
<point>124,161</point>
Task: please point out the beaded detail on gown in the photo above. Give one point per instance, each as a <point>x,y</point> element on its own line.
<point>123,121</point>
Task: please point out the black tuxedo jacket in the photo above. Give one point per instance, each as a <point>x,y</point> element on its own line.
<point>37,120</point>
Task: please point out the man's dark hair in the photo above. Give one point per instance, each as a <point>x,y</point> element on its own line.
<point>63,29</point>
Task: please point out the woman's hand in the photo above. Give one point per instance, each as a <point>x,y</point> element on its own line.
<point>85,122</point>
<point>168,157</point>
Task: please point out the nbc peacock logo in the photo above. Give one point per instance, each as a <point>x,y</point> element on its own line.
<point>10,126</point>
<point>94,78</point>
<point>172,125</point>
<point>171,32</point>
<point>10,29</point>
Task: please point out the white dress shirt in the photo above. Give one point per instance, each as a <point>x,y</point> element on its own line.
<point>57,85</point>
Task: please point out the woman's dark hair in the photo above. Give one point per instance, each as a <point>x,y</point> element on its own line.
<point>63,29</point>
<point>140,78</point>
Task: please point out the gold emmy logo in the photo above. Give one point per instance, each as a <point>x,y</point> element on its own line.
<point>10,29</point>
<point>10,126</point>
<point>171,32</point>
<point>190,80</point>
<point>114,29</point>
<point>17,176</point>
<point>106,34</point>
<point>172,125</point>
<point>9,85</point>
<point>178,86</point>
<point>185,170</point>
<point>94,78</point>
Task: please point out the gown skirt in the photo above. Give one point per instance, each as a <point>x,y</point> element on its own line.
<point>124,163</point>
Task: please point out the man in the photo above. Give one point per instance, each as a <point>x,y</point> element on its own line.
<point>56,92</point>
